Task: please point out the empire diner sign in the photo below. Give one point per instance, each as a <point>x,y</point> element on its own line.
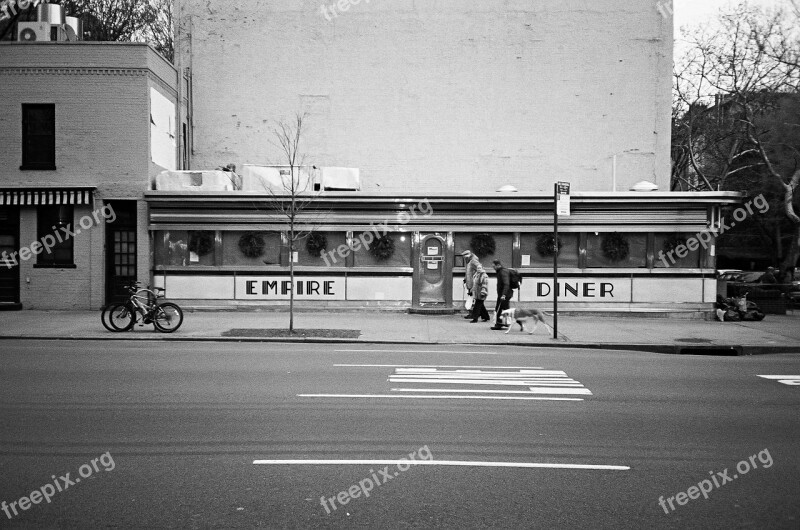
<point>583,290</point>
<point>279,288</point>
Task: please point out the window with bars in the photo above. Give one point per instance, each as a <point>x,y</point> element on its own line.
<point>125,253</point>
<point>55,223</point>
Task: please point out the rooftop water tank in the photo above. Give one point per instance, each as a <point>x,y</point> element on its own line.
<point>53,14</point>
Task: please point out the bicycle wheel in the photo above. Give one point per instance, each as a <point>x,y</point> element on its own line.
<point>121,317</point>
<point>104,317</point>
<point>167,317</point>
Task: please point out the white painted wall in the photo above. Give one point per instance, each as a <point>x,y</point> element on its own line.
<point>447,95</point>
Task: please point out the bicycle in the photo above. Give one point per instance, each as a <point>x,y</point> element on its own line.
<point>166,317</point>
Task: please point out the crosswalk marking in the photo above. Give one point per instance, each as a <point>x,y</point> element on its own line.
<point>471,382</point>
<point>537,381</point>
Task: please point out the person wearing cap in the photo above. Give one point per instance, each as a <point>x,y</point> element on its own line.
<point>471,267</point>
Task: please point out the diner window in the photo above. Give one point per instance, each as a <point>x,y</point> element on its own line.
<point>182,248</point>
<point>503,245</point>
<point>394,254</point>
<point>616,250</point>
<point>38,136</point>
<point>538,248</point>
<point>670,247</point>
<point>54,224</point>
<point>255,248</point>
<point>315,249</point>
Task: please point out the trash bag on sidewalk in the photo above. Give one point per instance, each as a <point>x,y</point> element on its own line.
<point>736,309</point>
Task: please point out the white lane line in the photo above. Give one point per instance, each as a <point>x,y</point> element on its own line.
<point>433,366</point>
<point>462,463</point>
<point>420,351</point>
<point>398,396</point>
<point>790,380</point>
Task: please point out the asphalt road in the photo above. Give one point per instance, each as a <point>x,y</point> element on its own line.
<point>180,426</point>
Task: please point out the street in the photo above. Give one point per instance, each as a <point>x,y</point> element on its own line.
<point>239,435</point>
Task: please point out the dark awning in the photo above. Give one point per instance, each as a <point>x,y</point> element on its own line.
<point>46,196</point>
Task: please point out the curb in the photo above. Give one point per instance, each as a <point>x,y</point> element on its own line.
<point>668,349</point>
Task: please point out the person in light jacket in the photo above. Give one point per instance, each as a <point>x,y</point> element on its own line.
<point>471,263</point>
<point>480,286</point>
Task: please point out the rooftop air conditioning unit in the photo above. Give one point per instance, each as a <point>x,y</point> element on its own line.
<point>341,179</point>
<point>33,31</point>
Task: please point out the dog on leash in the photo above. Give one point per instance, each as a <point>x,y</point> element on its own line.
<point>521,316</point>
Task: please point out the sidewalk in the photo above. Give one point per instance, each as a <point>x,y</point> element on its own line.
<point>775,334</point>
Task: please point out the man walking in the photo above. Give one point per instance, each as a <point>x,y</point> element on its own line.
<point>471,264</point>
<point>504,293</point>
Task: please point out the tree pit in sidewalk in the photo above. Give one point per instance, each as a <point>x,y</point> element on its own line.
<point>297,333</point>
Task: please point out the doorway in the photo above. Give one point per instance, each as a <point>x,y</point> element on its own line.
<point>121,250</point>
<point>433,272</point>
<point>9,268</point>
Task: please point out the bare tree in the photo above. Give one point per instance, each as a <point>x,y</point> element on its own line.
<point>293,201</point>
<point>159,29</point>
<point>730,88</point>
<point>111,20</point>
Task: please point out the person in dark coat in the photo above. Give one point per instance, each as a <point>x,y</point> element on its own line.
<point>769,276</point>
<point>504,293</point>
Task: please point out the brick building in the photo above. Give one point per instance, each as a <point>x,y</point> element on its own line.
<point>452,95</point>
<point>83,128</point>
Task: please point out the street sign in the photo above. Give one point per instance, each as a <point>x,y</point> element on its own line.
<point>562,201</point>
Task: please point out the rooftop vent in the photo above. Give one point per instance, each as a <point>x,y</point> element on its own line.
<point>644,185</point>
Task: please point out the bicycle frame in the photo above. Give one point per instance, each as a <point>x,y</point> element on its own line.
<point>144,301</point>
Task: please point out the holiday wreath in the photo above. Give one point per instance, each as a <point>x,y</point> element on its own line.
<point>615,247</point>
<point>252,245</point>
<point>316,244</point>
<point>482,245</point>
<point>546,245</point>
<point>382,248</point>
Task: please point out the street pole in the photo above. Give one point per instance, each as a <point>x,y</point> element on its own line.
<point>555,261</point>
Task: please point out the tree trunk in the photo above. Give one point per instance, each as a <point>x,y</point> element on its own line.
<point>291,276</point>
<point>790,259</point>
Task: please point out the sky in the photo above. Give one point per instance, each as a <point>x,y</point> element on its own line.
<point>692,12</point>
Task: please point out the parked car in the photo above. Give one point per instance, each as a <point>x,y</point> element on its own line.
<point>728,274</point>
